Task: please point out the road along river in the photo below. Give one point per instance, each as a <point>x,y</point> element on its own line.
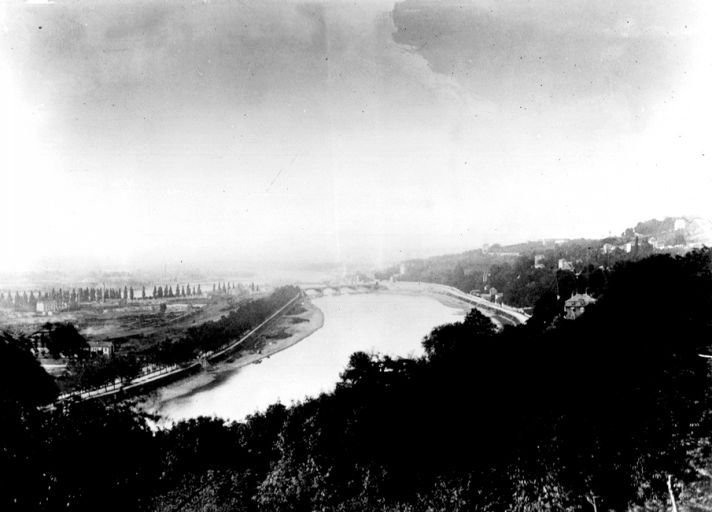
<point>387,323</point>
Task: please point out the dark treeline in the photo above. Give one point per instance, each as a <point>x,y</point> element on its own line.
<point>72,297</point>
<point>96,370</point>
<point>60,339</point>
<point>554,415</point>
<point>212,335</point>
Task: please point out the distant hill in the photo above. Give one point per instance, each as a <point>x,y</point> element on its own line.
<point>524,271</point>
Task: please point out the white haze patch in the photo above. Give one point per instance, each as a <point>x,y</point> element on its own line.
<point>263,135</point>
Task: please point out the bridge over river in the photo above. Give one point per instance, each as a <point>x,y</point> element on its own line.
<point>336,288</point>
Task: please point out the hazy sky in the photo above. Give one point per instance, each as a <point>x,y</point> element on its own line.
<point>258,132</point>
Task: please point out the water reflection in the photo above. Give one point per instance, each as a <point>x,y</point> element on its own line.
<point>382,322</point>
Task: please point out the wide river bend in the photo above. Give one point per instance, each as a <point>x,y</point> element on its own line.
<point>387,323</point>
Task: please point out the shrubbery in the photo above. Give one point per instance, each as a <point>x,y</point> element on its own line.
<point>605,408</point>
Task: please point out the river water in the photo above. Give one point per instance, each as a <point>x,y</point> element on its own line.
<point>372,322</point>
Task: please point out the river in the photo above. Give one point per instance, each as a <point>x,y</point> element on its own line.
<point>379,322</point>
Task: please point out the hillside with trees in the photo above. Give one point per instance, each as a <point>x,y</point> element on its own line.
<point>464,271</point>
<point>605,409</point>
<point>528,271</point>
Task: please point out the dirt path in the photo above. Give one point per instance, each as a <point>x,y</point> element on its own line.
<point>287,332</point>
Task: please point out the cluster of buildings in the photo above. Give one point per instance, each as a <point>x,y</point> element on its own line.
<point>576,305</point>
<point>682,233</point>
<point>561,263</point>
<point>490,293</point>
<point>40,343</point>
<point>628,247</point>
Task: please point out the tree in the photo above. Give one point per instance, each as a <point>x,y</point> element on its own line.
<point>87,456</point>
<point>546,310</point>
<point>500,276</point>
<point>63,339</point>
<point>460,337</point>
<point>22,378</point>
<point>566,283</point>
<point>361,367</point>
<point>478,324</point>
<point>457,277</point>
<point>90,372</point>
<point>126,367</point>
<point>293,485</point>
<point>597,281</point>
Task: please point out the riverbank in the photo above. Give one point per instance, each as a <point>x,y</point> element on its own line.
<point>287,332</point>
<point>290,330</point>
<point>385,323</point>
<point>450,302</point>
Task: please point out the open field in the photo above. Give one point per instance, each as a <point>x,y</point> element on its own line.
<point>133,327</point>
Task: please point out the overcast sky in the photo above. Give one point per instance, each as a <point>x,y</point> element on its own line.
<point>142,133</point>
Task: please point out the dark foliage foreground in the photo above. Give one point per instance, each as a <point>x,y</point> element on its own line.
<point>605,409</point>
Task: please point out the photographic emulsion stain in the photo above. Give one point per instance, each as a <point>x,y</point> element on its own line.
<point>382,255</point>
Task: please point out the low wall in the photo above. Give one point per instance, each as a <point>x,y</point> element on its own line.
<point>515,315</point>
